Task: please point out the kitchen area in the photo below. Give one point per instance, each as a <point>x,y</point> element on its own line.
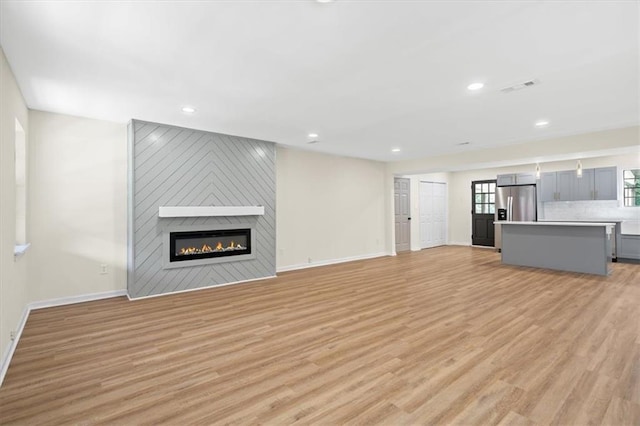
<point>573,220</point>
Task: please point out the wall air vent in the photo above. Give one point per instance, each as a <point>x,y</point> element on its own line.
<point>520,86</point>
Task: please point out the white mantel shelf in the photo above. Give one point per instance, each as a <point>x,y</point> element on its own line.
<point>210,211</point>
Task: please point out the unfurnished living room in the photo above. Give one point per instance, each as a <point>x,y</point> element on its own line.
<point>320,212</point>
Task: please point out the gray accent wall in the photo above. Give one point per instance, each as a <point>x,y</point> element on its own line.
<point>174,166</point>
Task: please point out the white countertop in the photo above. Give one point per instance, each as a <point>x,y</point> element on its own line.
<point>505,222</point>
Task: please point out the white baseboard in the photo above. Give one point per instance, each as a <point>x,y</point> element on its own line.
<point>8,354</point>
<point>199,288</point>
<point>6,358</point>
<point>331,261</point>
<point>457,243</point>
<point>484,247</point>
<point>76,299</point>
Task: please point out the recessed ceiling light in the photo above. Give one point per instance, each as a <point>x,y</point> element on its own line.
<point>542,123</point>
<point>313,135</point>
<point>188,109</point>
<point>324,1</point>
<point>475,86</point>
<point>395,150</point>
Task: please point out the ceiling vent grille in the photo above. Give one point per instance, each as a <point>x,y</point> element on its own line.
<point>520,86</point>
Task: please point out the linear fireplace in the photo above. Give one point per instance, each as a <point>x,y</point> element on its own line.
<point>209,244</point>
<point>192,247</point>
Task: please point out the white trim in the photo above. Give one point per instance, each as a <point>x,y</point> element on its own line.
<point>484,247</point>
<point>207,211</point>
<point>331,261</point>
<point>20,249</point>
<point>61,301</point>
<point>8,354</point>
<point>199,288</point>
<point>6,359</point>
<point>457,243</point>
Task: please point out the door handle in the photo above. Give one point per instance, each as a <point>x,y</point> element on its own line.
<point>408,218</point>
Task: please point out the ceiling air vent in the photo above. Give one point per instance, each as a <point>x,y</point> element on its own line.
<point>520,86</point>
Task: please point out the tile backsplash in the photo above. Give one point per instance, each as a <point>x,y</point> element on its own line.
<point>593,210</point>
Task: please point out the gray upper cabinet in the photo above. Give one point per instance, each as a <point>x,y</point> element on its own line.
<point>583,188</point>
<point>516,179</point>
<point>557,186</point>
<point>506,180</point>
<point>525,179</point>
<point>547,187</point>
<point>595,184</point>
<point>606,183</point>
<point>565,185</point>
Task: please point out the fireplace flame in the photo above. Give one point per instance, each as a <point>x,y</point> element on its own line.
<point>208,249</point>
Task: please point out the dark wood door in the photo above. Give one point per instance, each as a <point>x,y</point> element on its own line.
<point>483,208</point>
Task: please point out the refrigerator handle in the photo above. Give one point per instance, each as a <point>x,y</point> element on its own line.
<point>510,208</point>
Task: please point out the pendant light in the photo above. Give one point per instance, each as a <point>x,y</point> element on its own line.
<point>579,169</point>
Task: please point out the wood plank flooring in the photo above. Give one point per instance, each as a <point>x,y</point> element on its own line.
<point>442,336</point>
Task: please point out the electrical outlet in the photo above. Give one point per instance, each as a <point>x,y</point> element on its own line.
<point>104,269</point>
<point>12,335</point>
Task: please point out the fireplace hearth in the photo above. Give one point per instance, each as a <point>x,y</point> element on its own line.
<point>211,244</point>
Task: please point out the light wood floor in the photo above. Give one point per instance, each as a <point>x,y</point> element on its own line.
<point>442,336</point>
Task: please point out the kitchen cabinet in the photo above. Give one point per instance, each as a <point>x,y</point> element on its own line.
<point>516,179</point>
<point>606,183</point>
<point>556,186</point>
<point>629,247</point>
<point>583,188</point>
<point>595,184</point>
<point>547,187</point>
<point>565,185</point>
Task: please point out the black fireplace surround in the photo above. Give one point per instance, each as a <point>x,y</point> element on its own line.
<point>209,244</point>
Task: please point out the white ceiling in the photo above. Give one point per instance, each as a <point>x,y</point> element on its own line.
<point>365,75</point>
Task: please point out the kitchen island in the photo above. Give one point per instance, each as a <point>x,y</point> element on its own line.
<point>566,246</point>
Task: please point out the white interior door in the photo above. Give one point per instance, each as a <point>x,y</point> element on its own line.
<point>402,207</point>
<point>440,213</point>
<point>433,214</point>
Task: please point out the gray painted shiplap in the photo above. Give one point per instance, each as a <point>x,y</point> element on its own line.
<point>173,166</point>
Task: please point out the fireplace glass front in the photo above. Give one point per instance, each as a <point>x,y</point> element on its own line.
<point>209,244</point>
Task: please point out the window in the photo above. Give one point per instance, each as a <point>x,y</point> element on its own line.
<point>21,188</point>
<point>631,187</point>
<point>484,197</point>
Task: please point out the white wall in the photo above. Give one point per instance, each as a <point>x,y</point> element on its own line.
<point>78,205</point>
<point>460,192</point>
<point>13,271</point>
<point>329,208</point>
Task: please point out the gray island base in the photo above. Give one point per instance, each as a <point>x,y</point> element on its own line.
<point>565,246</point>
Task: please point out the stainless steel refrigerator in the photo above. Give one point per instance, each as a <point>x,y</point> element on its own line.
<point>514,203</point>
